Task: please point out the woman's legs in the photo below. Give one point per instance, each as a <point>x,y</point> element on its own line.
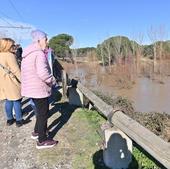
<point>17,108</point>
<point>9,105</point>
<point>42,108</point>
<point>8,109</point>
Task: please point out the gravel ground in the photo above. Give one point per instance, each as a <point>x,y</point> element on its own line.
<point>18,150</point>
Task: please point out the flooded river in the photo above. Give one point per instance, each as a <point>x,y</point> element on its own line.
<point>146,95</point>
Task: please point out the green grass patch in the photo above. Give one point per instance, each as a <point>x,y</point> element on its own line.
<point>80,145</point>
<point>89,139</point>
<point>139,159</point>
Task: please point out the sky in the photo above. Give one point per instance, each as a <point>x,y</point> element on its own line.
<point>89,21</point>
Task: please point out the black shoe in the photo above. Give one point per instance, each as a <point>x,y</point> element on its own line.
<point>19,123</point>
<point>10,122</point>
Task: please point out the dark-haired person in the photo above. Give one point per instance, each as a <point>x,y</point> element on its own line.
<point>19,54</point>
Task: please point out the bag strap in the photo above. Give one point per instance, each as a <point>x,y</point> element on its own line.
<point>5,69</point>
<point>9,72</point>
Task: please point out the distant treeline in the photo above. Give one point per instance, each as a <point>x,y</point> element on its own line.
<point>111,49</point>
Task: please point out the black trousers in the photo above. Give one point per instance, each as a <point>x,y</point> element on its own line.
<point>42,108</point>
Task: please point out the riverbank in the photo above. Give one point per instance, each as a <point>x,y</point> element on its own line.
<point>146,94</point>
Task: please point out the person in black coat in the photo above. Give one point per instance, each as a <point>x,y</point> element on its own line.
<point>19,54</point>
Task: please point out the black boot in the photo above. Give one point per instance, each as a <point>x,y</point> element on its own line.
<point>10,122</point>
<point>19,123</point>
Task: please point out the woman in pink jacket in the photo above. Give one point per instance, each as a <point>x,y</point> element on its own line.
<point>36,83</point>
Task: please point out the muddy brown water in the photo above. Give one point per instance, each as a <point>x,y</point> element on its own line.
<point>146,95</point>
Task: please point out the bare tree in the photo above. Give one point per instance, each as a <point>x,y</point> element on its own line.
<point>134,59</point>
<point>161,36</point>
<point>102,55</point>
<point>74,56</point>
<point>157,36</point>
<point>108,49</point>
<point>118,54</point>
<point>152,34</point>
<point>138,49</point>
<point>117,47</point>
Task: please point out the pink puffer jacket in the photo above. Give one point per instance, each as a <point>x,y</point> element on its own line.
<point>36,78</point>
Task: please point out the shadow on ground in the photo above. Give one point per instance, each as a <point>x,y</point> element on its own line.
<point>63,108</point>
<point>28,111</point>
<point>65,111</point>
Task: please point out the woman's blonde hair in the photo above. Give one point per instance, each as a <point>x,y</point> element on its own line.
<point>7,45</point>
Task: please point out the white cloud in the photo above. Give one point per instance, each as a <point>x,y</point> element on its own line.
<point>18,34</point>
